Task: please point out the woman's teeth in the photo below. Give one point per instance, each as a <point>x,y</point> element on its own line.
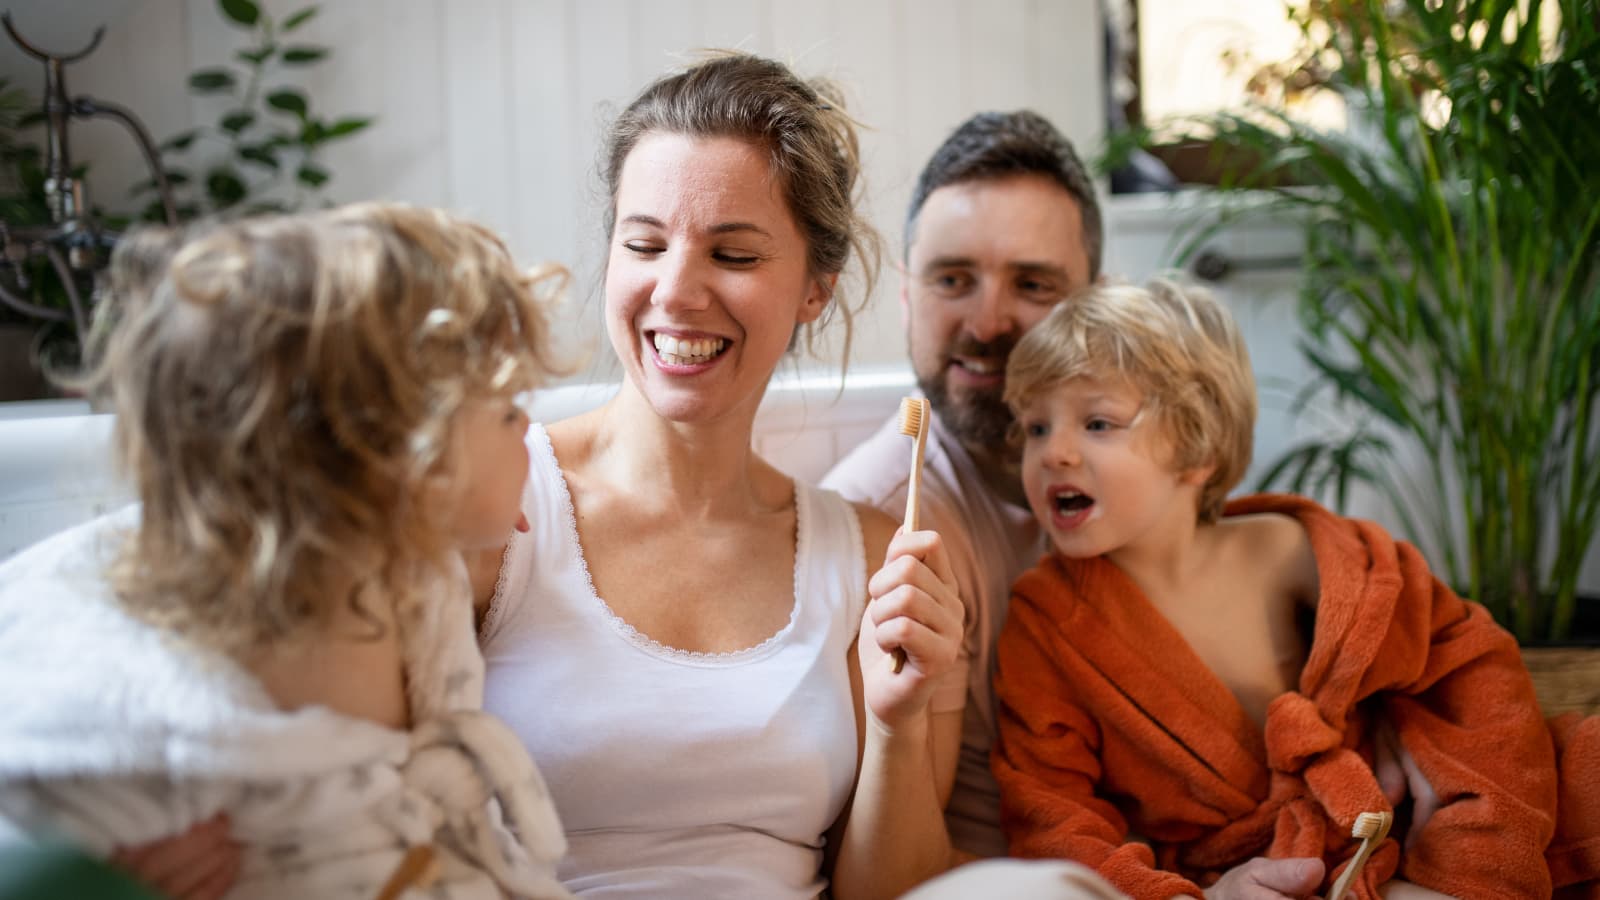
<point>676,352</point>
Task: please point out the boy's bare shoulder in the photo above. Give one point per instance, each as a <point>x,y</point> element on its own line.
<point>1278,548</point>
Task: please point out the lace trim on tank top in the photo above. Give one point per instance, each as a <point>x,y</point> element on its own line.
<point>491,616</point>
<point>802,517</point>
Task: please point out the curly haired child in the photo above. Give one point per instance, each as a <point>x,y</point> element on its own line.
<point>318,413</point>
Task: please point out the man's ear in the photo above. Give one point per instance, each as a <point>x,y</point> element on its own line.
<point>817,298</point>
<point>905,304</point>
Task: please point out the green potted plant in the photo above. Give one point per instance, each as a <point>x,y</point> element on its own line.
<point>263,153</point>
<point>1451,282</point>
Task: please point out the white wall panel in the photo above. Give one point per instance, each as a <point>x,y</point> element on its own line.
<point>495,108</point>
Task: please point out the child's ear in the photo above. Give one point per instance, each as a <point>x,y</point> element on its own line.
<point>1197,476</point>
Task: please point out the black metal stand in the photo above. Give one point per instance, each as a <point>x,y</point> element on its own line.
<point>74,241</point>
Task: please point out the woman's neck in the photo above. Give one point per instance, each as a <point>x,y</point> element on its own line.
<point>701,469</point>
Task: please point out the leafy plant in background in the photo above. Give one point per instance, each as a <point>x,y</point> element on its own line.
<point>270,135</point>
<point>1451,288</point>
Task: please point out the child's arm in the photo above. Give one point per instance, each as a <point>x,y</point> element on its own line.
<point>1468,717</point>
<point>1047,763</point>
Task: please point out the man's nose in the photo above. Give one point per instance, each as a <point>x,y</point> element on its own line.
<point>994,316</point>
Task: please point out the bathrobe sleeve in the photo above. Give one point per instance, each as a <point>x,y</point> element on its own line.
<point>1047,762</point>
<point>1464,708</point>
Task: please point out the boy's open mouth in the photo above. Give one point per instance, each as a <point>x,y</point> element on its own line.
<point>1069,502</point>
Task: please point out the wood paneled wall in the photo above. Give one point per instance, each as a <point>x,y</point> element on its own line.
<point>494,108</point>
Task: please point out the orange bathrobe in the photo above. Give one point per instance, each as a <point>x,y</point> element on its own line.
<point>1110,725</point>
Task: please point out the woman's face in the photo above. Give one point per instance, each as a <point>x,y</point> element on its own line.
<point>707,275</point>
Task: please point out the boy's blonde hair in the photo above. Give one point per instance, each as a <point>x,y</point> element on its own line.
<point>1178,346</point>
<point>286,391</point>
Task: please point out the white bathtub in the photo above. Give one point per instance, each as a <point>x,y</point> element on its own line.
<point>56,468</point>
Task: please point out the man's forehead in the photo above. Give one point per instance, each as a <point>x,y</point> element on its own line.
<point>1016,220</point>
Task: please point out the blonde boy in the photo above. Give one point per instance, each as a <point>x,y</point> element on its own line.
<point>1211,676</point>
<point>317,413</point>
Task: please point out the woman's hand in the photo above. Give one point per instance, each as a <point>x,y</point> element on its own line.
<point>200,864</point>
<point>1269,879</point>
<point>914,608</point>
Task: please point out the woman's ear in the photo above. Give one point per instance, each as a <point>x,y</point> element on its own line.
<point>817,298</point>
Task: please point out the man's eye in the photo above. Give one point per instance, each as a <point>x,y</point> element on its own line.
<point>951,282</point>
<point>1036,291</point>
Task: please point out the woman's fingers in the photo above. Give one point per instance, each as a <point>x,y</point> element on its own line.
<point>924,545</point>
<point>218,883</point>
<point>915,605</point>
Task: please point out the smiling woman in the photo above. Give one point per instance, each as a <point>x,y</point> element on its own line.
<point>682,639</point>
<point>708,276</point>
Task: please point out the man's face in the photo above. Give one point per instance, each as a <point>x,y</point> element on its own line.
<point>988,259</point>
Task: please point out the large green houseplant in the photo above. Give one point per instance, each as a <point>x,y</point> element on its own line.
<point>1451,285</point>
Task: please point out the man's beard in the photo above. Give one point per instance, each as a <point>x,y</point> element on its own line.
<point>980,420</point>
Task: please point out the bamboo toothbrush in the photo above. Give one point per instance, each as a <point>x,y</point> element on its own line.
<point>419,868</point>
<point>1372,828</point>
<point>913,424</point>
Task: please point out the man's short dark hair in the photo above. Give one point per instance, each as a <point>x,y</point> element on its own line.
<point>1001,144</point>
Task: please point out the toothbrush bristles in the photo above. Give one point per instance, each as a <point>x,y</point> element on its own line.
<point>1369,824</point>
<point>910,416</point>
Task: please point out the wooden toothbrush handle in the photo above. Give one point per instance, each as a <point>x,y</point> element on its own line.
<point>1352,871</point>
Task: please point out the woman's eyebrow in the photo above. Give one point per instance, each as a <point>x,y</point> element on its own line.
<point>727,227</point>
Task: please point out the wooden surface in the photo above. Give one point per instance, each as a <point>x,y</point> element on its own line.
<point>1566,678</point>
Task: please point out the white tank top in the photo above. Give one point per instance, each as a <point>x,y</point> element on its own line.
<point>679,774</point>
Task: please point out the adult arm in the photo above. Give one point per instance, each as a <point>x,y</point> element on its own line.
<point>893,835</point>
<point>199,864</point>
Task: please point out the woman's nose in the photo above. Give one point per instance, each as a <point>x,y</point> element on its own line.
<point>680,284</point>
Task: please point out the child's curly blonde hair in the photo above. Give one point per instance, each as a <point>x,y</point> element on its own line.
<point>1178,346</point>
<point>286,390</point>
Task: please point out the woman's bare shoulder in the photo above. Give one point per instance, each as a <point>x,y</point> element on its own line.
<point>877,530</point>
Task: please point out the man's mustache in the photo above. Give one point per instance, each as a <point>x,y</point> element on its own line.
<point>967,345</point>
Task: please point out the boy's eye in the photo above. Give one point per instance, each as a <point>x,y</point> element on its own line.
<point>1035,429</point>
<point>1099,425</point>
